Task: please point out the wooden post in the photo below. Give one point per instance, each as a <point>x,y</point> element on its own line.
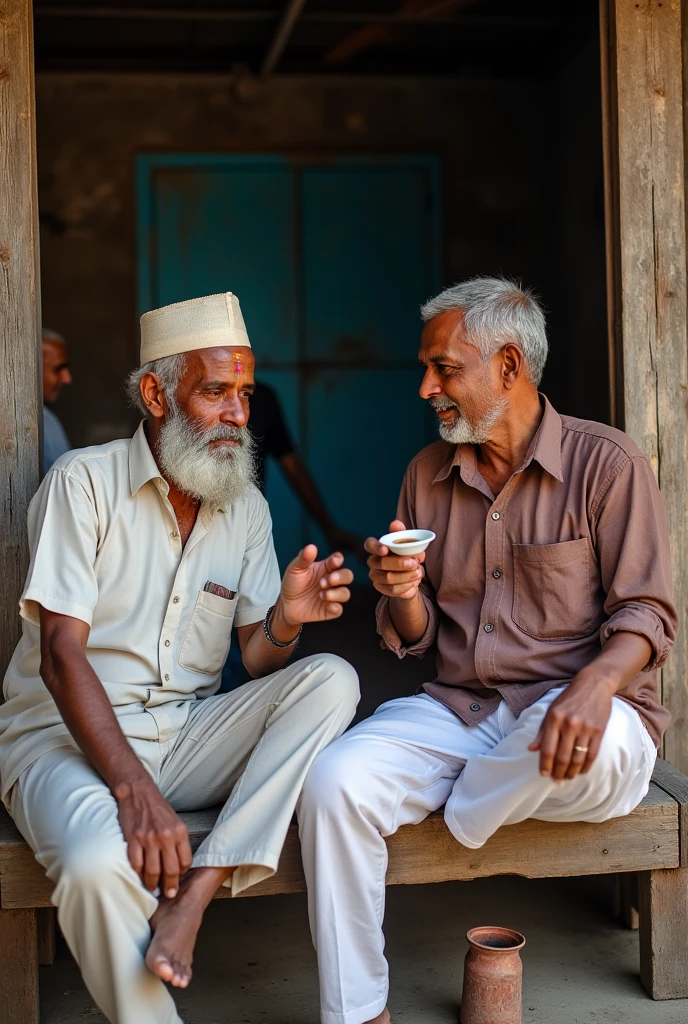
<point>646,239</point>
<point>20,401</point>
<point>19,967</point>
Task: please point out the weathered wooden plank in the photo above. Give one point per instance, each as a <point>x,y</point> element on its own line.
<point>19,304</point>
<point>642,54</point>
<point>671,781</point>
<point>646,839</point>
<point>663,933</point>
<point>18,967</point>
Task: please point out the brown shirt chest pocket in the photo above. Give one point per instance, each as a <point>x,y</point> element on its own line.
<point>553,589</point>
<point>209,635</point>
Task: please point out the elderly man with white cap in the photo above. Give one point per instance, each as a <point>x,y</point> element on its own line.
<point>144,553</point>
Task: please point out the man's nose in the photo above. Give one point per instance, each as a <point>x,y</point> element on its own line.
<point>65,376</point>
<point>234,412</point>
<point>430,385</point>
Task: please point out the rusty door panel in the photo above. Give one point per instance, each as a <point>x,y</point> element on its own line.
<point>330,259</point>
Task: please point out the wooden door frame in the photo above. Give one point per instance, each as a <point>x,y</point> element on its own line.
<point>642,77</point>
<point>643,120</point>
<point>21,393</point>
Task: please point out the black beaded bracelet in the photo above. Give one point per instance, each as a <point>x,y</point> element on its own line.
<point>270,637</point>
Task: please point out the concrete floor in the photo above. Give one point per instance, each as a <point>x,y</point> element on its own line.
<point>255,963</point>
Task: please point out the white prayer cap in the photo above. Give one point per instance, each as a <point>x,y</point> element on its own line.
<point>213,321</point>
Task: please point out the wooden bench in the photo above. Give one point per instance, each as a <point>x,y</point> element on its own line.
<point>652,842</point>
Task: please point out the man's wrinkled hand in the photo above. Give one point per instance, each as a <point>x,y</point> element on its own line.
<point>571,733</point>
<point>394,575</point>
<point>157,839</point>
<point>313,591</point>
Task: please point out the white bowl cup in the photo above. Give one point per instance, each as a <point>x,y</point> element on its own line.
<point>419,540</point>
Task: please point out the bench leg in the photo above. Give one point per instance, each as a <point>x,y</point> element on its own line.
<point>626,900</point>
<point>663,899</point>
<point>46,922</point>
<point>18,967</point>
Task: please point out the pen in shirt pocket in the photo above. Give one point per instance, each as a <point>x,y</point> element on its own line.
<point>215,588</point>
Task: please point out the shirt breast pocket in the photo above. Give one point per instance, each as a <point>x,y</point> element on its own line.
<point>209,634</point>
<point>553,590</point>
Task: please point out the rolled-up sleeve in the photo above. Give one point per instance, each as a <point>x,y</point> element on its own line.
<point>390,639</point>
<point>63,541</point>
<point>632,543</point>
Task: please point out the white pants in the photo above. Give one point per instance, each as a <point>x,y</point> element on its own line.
<point>393,769</point>
<point>255,743</point>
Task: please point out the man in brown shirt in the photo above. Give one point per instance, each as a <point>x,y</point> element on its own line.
<point>547,596</point>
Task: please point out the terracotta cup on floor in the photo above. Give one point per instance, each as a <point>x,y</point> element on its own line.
<point>492,977</point>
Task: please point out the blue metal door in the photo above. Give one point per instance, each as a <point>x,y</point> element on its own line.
<point>330,260</point>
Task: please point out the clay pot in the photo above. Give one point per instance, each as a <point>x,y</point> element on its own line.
<point>492,977</point>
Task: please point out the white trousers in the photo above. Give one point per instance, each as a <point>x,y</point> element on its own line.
<point>411,757</point>
<point>253,745</point>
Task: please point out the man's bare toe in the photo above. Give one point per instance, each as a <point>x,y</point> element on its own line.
<point>160,965</point>
<point>175,927</point>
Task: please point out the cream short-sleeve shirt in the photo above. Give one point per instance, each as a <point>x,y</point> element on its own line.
<point>105,548</point>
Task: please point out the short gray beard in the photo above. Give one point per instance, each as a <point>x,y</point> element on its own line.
<point>218,476</point>
<point>463,432</point>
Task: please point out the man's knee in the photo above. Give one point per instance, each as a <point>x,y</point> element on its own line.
<point>94,865</point>
<point>336,680</point>
<point>337,780</point>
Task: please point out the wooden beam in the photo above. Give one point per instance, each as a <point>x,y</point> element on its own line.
<point>282,35</point>
<point>644,150</point>
<point>644,840</point>
<point>371,34</point>
<point>21,418</point>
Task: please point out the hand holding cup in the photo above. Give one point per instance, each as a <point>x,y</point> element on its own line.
<point>397,574</point>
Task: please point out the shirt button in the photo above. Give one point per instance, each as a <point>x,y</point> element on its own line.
<point>167,643</point>
<point>175,600</point>
<point>488,627</point>
<point>497,573</point>
<point>167,678</point>
<point>495,515</point>
<point>475,707</point>
<point>174,535</point>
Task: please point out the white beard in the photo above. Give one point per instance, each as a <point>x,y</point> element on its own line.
<point>217,476</point>
<point>463,432</point>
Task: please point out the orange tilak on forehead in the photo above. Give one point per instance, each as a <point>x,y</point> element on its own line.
<point>238,363</point>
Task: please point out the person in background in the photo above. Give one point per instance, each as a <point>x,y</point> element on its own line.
<point>272,436</point>
<point>56,375</point>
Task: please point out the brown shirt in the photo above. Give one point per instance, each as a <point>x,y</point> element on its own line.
<point>522,589</point>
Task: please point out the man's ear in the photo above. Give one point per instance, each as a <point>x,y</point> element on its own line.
<point>513,365</point>
<point>153,395</point>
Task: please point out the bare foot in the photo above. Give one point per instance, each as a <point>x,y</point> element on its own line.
<point>176,922</point>
<point>175,927</point>
<point>383,1018</point>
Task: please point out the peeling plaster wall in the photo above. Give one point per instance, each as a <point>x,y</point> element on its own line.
<point>494,138</point>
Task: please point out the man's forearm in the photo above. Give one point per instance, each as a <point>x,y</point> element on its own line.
<point>305,487</point>
<point>618,663</point>
<point>410,618</point>
<point>259,656</point>
<point>88,714</point>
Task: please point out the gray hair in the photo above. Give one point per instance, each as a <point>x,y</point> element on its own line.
<point>48,335</point>
<point>497,311</point>
<point>168,370</point>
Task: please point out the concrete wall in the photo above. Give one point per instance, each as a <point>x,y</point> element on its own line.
<point>501,184</point>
